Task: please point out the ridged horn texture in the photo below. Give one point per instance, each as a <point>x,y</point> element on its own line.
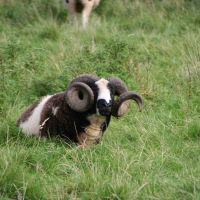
<point>121,104</point>
<point>79,95</point>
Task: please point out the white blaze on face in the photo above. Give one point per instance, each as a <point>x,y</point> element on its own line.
<point>31,125</point>
<point>103,92</point>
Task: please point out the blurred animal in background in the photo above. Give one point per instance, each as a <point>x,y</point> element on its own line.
<point>81,113</point>
<point>81,6</point>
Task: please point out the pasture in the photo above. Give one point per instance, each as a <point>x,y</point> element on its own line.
<point>154,46</point>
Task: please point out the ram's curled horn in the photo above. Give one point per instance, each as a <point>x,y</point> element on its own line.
<point>121,104</point>
<point>79,95</point>
<point>85,78</point>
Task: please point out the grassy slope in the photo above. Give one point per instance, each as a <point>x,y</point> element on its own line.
<point>154,47</point>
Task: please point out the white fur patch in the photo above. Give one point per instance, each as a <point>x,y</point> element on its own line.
<point>104,92</point>
<point>32,124</point>
<point>54,110</point>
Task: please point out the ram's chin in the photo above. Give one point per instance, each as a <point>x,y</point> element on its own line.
<point>104,112</point>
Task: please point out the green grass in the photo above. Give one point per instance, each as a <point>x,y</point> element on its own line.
<point>154,46</point>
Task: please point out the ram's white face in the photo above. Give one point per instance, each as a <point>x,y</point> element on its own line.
<point>104,100</point>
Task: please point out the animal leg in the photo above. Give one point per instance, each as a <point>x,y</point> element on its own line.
<point>85,15</point>
<point>72,10</point>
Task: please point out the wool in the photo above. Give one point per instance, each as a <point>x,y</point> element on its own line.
<point>80,114</point>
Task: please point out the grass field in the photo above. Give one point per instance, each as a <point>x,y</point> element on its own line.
<point>154,46</point>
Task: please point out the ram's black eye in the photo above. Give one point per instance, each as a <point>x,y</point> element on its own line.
<point>80,95</point>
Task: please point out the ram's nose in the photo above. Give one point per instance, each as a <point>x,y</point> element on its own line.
<point>103,104</point>
<point>104,107</point>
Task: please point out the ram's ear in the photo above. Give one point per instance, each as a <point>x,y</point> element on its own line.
<point>79,96</point>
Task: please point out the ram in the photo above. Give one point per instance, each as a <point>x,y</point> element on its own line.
<point>81,6</point>
<point>82,113</point>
